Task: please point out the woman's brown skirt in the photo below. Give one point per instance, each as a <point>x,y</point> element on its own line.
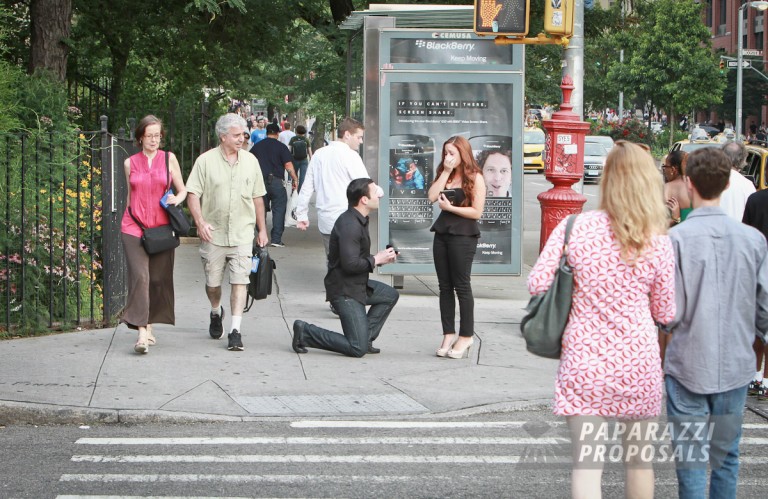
<point>150,285</point>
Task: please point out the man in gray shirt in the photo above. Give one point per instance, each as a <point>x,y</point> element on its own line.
<point>721,295</point>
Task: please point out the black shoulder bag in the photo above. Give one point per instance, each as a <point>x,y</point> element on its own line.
<point>178,219</point>
<point>547,316</point>
<point>260,285</point>
<point>157,239</point>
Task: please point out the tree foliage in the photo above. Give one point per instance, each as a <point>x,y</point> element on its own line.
<point>670,63</point>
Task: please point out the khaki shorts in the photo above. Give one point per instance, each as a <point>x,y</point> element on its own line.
<point>215,259</point>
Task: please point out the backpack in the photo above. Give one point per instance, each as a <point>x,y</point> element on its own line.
<point>298,146</point>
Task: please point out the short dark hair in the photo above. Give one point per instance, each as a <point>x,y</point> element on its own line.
<point>357,189</point>
<point>144,122</point>
<point>301,129</point>
<point>350,125</point>
<point>273,129</point>
<point>709,171</point>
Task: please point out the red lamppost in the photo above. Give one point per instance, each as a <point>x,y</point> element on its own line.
<point>564,149</point>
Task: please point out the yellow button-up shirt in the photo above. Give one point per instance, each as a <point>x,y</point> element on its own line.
<point>226,194</point>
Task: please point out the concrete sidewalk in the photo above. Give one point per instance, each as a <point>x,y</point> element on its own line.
<point>91,376</point>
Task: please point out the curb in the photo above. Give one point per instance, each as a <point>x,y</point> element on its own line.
<point>21,413</point>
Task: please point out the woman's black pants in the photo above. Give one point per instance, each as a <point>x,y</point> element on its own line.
<point>453,256</point>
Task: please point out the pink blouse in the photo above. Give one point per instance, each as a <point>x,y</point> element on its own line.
<point>147,185</point>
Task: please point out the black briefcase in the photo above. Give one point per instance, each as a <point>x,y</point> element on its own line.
<point>260,285</point>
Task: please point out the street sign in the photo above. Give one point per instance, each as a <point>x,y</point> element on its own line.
<point>756,53</point>
<point>735,64</point>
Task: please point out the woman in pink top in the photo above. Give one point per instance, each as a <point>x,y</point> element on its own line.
<point>623,268</point>
<point>150,277</point>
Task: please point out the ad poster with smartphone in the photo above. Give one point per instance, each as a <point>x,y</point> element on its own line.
<point>422,116</point>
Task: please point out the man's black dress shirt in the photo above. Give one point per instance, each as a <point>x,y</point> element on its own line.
<point>349,258</point>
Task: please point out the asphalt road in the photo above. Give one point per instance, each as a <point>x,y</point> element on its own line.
<point>517,454</point>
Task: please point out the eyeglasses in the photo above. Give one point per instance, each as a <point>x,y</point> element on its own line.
<point>667,166</point>
<point>157,136</point>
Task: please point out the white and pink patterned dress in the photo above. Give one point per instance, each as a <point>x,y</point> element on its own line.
<point>610,363</point>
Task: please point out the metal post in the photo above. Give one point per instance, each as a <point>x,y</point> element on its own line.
<point>739,76</point>
<point>573,59</point>
<point>621,94</point>
<point>760,5</point>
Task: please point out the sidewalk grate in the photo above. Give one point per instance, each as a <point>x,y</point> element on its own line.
<point>330,404</point>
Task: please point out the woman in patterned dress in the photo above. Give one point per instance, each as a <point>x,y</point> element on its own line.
<point>623,268</point>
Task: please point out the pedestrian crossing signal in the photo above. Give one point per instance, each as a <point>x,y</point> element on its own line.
<point>558,17</point>
<point>501,17</point>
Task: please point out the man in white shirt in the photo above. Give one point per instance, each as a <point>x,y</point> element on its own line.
<point>330,171</point>
<point>734,197</point>
<point>287,134</point>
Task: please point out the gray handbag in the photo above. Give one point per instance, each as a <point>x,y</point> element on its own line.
<point>547,316</point>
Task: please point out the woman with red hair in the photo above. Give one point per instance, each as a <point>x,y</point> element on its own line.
<point>459,190</point>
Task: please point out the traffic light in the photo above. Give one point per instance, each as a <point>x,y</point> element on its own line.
<point>502,17</point>
<point>722,66</point>
<point>558,17</point>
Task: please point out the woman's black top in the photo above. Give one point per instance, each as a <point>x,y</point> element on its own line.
<point>453,224</point>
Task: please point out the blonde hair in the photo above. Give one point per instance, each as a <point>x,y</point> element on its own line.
<point>632,194</point>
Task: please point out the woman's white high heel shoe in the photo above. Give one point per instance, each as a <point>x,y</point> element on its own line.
<point>442,352</point>
<point>460,354</point>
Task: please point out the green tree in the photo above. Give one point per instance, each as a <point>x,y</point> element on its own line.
<point>672,65</point>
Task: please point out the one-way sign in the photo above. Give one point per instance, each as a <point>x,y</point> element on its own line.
<point>735,64</point>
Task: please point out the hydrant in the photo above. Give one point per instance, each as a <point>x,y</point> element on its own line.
<point>564,164</point>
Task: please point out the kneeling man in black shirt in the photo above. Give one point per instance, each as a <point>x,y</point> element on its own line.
<point>347,286</point>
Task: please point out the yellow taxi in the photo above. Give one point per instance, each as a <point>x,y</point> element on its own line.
<point>691,145</point>
<point>533,149</point>
<point>757,157</point>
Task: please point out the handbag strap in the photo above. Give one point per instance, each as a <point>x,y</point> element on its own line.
<point>130,212</point>
<point>568,227</point>
<point>167,171</point>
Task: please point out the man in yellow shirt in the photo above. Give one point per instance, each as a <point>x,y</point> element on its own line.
<point>225,200</point>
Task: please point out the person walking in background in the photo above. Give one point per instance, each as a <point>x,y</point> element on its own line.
<point>722,305</point>
<point>225,198</point>
<point>330,171</point>
<point>286,134</point>
<point>459,190</point>
<point>301,151</point>
<point>623,273</point>
<point>675,191</point>
<point>756,215</point>
<point>260,132</point>
<point>739,187</point>
<point>246,141</point>
<point>150,277</point>
<point>275,159</point>
<point>347,285</point>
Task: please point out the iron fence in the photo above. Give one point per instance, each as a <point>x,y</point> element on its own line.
<point>61,197</point>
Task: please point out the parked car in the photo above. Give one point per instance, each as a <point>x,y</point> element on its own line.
<point>603,140</point>
<point>594,161</point>
<point>757,157</point>
<point>533,149</point>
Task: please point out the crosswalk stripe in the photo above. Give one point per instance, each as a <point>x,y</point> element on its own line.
<point>370,479</point>
<point>299,458</point>
<point>336,459</point>
<point>413,424</point>
<point>155,478</point>
<point>322,441</point>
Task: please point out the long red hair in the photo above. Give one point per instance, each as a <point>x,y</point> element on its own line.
<point>467,167</point>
